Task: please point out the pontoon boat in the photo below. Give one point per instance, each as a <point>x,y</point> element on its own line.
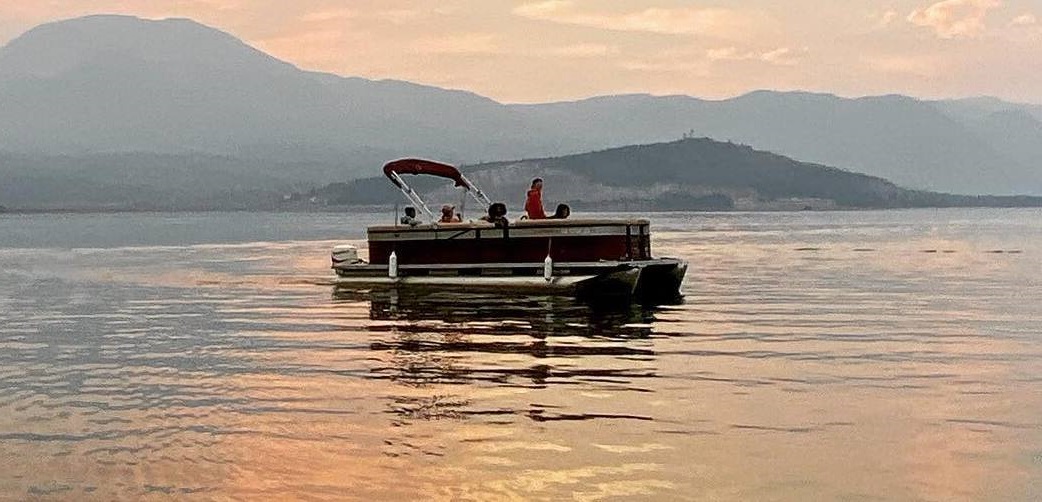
<point>582,257</point>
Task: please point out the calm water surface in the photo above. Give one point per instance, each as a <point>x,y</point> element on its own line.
<point>817,356</point>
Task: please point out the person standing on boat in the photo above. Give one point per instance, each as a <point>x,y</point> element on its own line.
<point>534,202</point>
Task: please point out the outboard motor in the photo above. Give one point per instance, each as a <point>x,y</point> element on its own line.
<point>345,254</point>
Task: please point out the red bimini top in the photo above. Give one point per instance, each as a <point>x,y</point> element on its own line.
<point>420,166</point>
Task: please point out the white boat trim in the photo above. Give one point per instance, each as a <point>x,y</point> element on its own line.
<point>533,282</point>
<point>539,265</point>
<point>626,279</point>
<point>548,223</point>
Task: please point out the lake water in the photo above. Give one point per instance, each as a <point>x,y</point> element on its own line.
<point>891,355</point>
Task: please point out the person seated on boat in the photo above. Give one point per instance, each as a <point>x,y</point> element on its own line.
<point>497,214</point>
<point>534,201</point>
<point>562,213</point>
<point>410,217</point>
<point>448,214</point>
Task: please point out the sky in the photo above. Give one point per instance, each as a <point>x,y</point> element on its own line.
<point>549,50</point>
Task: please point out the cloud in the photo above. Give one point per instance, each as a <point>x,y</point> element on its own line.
<point>782,56</point>
<point>955,18</point>
<point>1024,20</point>
<point>584,50</point>
<point>327,15</point>
<point>544,9</point>
<point>884,19</point>
<point>728,54</point>
<point>715,22</point>
<point>691,68</point>
<point>900,65</point>
<point>462,43</point>
<point>400,16</point>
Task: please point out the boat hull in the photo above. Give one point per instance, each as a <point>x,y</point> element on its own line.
<point>645,278</point>
<point>660,280</point>
<point>527,241</point>
<point>581,257</point>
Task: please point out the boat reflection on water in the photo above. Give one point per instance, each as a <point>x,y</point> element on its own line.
<point>542,315</point>
<point>448,349</point>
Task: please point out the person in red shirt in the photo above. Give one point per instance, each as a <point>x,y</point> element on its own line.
<point>534,202</point>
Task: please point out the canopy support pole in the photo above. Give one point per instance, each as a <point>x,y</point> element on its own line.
<point>412,196</point>
<point>476,192</point>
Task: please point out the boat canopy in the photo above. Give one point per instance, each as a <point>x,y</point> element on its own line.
<point>394,171</point>
<point>420,166</point>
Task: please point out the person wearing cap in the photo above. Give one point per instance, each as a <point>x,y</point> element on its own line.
<point>448,214</point>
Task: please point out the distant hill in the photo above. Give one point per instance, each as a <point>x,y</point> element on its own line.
<point>127,181</point>
<point>912,142</point>
<point>689,174</point>
<point>174,92</point>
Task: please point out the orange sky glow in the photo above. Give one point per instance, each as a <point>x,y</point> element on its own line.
<point>545,50</point>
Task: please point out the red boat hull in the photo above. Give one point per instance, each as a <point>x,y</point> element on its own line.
<point>522,242</point>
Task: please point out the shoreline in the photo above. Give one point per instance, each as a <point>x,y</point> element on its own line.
<point>390,208</point>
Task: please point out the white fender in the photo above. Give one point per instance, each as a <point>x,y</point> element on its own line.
<point>392,266</point>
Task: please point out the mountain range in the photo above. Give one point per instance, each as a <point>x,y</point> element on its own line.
<point>686,174</point>
<point>92,99</point>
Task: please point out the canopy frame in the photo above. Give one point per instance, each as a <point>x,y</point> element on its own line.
<point>394,170</point>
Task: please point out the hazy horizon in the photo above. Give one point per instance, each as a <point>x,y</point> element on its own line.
<point>798,262</point>
<point>100,85</point>
<point>723,97</point>
<point>564,50</point>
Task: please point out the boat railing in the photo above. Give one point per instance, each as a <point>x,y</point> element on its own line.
<point>483,225</point>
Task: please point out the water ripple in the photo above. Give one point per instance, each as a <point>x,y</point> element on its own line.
<point>816,357</point>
